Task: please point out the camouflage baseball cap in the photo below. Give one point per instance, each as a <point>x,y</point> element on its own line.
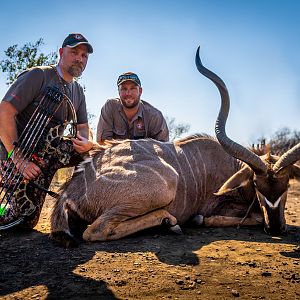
<point>75,39</point>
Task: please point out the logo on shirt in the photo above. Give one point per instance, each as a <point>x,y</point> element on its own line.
<point>140,125</point>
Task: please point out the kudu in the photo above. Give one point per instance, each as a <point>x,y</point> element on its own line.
<point>132,185</point>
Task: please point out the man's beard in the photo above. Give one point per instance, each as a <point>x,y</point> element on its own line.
<point>131,105</point>
<point>75,70</point>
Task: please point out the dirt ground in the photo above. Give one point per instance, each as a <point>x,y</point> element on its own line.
<point>201,264</point>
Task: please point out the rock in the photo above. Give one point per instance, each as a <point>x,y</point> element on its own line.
<point>83,269</point>
<point>192,285</point>
<point>179,281</point>
<point>266,274</point>
<point>121,282</point>
<point>235,293</point>
<point>252,264</point>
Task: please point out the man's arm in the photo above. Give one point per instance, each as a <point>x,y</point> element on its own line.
<point>105,124</point>
<point>8,128</point>
<point>8,135</point>
<point>159,130</point>
<point>83,141</point>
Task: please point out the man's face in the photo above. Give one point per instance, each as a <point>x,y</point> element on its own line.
<point>130,94</point>
<point>74,60</point>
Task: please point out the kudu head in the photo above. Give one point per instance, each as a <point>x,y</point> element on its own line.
<point>265,177</point>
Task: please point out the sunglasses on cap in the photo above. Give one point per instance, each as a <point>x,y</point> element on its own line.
<point>131,77</point>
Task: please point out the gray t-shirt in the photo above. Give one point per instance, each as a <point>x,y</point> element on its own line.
<point>26,93</point>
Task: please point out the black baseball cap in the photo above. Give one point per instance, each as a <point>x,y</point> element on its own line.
<point>75,39</point>
<point>129,76</point>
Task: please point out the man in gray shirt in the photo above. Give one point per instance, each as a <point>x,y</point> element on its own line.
<point>35,152</point>
<point>26,92</point>
<point>129,117</point>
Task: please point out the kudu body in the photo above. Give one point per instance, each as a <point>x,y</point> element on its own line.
<point>130,185</point>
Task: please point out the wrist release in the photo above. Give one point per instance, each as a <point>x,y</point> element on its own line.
<point>10,154</point>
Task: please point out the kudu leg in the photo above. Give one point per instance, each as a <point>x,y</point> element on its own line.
<point>225,221</point>
<point>118,229</point>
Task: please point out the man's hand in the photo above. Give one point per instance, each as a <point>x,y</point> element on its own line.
<point>28,169</point>
<point>81,144</point>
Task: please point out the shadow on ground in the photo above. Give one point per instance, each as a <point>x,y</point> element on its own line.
<point>29,259</point>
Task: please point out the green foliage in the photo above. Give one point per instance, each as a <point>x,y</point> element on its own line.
<point>176,130</point>
<point>27,56</point>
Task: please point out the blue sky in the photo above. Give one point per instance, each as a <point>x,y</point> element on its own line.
<point>253,45</point>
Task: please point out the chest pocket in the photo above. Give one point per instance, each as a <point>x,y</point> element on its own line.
<point>139,131</point>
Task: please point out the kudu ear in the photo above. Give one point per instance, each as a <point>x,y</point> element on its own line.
<point>295,172</point>
<point>237,180</point>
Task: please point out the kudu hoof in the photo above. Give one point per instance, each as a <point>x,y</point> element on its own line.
<point>63,239</point>
<point>166,222</point>
<point>176,229</point>
<point>198,220</point>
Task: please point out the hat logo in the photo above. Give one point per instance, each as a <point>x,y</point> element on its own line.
<point>78,36</point>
